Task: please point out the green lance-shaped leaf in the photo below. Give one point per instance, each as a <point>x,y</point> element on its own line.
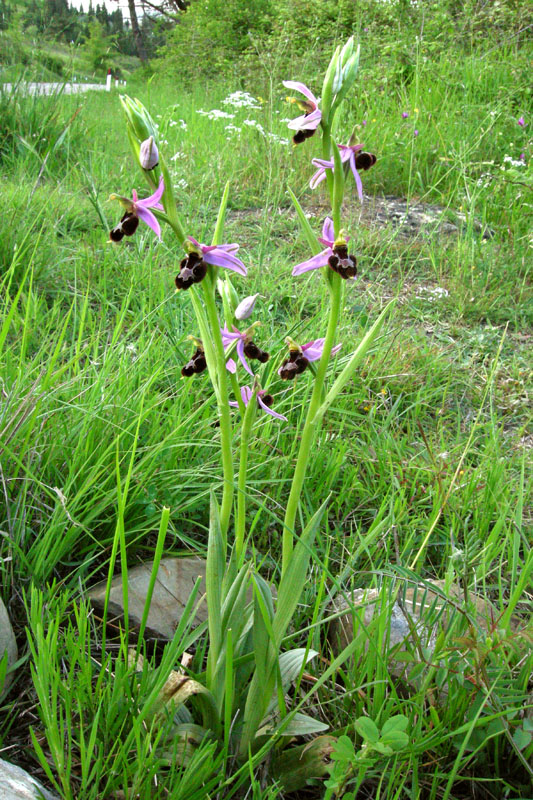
<point>214,577</point>
<point>349,370</point>
<point>298,724</point>
<point>221,217</point>
<point>307,230</point>
<point>289,593</point>
<point>295,576</point>
<point>291,664</point>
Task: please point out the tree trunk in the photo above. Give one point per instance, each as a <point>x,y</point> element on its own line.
<point>137,35</point>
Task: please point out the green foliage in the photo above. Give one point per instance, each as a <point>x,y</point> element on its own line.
<point>99,48</point>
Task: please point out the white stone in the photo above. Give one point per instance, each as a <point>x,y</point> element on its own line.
<point>16,784</point>
<point>7,642</point>
<point>175,581</point>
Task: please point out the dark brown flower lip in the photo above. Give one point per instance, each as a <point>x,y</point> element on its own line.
<point>252,351</point>
<point>193,269</point>
<point>126,227</point>
<point>196,365</point>
<point>301,136</point>
<point>293,366</point>
<point>365,160</point>
<point>342,262</point>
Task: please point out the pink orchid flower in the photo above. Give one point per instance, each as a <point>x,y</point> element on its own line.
<point>300,356</point>
<point>308,122</point>
<point>264,400</point>
<point>335,255</point>
<point>246,347</point>
<point>221,255</point>
<point>348,153</point>
<point>138,209</point>
<point>193,268</point>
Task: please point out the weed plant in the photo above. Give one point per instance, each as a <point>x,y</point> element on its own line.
<point>427,453</point>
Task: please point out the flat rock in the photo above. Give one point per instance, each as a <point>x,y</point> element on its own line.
<point>421,608</point>
<point>16,784</point>
<point>175,581</point>
<point>7,643</point>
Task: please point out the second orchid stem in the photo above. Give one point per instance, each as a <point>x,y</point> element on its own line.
<point>226,432</point>
<point>308,433</point>
<point>240,527</point>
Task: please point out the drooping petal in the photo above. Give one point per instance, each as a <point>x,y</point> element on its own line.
<point>270,411</point>
<point>242,357</point>
<point>357,177</point>
<point>306,122</point>
<point>320,260</point>
<point>231,366</point>
<point>301,87</point>
<point>328,231</point>
<point>318,177</point>
<point>220,258</point>
<point>148,217</point>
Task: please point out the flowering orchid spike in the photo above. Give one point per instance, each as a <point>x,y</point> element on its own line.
<point>335,255</point>
<point>193,268</point>
<point>264,400</point>
<point>305,125</point>
<point>135,210</point>
<point>350,154</point>
<point>300,357</point>
<point>246,347</point>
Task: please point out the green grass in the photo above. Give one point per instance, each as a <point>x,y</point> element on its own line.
<point>431,437</point>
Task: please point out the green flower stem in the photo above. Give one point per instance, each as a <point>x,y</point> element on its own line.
<point>247,423</point>
<point>169,204</point>
<point>326,155</point>
<point>226,432</point>
<point>310,427</point>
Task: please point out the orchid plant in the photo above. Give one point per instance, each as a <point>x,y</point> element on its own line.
<point>242,694</point>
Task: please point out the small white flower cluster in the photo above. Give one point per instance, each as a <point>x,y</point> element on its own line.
<point>178,155</point>
<point>278,139</point>
<point>181,184</point>
<point>511,162</point>
<point>215,113</point>
<point>432,294</point>
<point>250,123</point>
<point>181,122</point>
<point>253,123</point>
<point>241,100</point>
<point>484,180</point>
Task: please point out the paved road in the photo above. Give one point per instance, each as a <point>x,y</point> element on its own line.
<point>52,88</point>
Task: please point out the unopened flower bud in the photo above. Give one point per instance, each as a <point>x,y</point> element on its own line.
<point>148,154</point>
<point>246,307</point>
